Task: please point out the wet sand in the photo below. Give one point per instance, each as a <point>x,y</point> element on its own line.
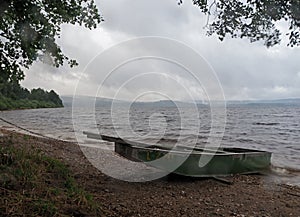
<point>248,195</point>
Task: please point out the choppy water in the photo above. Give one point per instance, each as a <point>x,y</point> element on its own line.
<point>275,128</point>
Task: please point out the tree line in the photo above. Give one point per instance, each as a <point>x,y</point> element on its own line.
<point>14,96</point>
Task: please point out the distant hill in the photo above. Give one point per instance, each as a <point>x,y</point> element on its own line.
<point>82,101</point>
<point>273,101</point>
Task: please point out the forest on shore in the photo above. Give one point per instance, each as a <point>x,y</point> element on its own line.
<point>14,96</point>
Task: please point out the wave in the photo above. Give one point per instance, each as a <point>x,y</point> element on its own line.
<point>279,170</point>
<point>266,124</point>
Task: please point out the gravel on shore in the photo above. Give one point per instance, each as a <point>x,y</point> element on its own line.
<point>248,195</point>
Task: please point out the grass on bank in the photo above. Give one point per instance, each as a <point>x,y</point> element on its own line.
<point>33,184</point>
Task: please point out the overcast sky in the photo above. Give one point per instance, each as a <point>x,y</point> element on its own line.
<point>245,70</point>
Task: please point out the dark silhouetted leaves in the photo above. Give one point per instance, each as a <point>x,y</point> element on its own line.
<point>29,28</point>
<point>252,19</point>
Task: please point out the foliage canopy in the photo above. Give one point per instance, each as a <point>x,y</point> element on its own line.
<point>29,29</point>
<point>17,97</point>
<point>252,19</point>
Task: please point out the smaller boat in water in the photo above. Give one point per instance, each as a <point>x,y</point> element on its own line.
<point>185,160</point>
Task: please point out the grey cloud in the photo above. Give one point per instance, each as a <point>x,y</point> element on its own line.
<point>142,18</point>
<point>246,71</point>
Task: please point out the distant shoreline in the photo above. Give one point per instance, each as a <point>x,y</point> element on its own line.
<point>98,101</point>
<point>17,109</point>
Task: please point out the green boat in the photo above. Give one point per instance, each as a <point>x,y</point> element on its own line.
<point>184,160</point>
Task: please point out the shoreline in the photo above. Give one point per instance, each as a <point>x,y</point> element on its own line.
<point>20,109</point>
<point>248,195</point>
<point>281,141</point>
<point>276,174</point>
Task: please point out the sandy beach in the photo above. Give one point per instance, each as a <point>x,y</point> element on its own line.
<point>248,195</point>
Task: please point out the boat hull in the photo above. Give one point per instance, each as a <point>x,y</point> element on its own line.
<point>184,160</point>
<point>219,164</point>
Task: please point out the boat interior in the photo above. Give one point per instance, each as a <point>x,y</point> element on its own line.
<point>176,148</point>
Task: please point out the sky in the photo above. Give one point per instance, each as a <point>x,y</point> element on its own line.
<point>244,70</point>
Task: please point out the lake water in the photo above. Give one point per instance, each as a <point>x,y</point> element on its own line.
<point>275,128</point>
